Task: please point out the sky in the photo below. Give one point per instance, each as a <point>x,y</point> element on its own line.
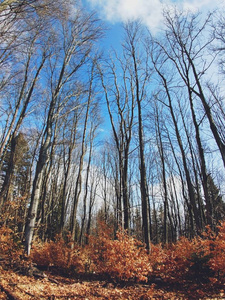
<point>149,11</point>
<point>114,12</point>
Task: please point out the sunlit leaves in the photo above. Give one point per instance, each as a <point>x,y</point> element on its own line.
<point>123,259</point>
<point>197,264</point>
<point>59,254</point>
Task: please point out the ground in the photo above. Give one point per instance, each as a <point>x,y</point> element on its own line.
<point>47,285</point>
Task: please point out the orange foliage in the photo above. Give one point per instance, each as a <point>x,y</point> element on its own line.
<point>6,242</point>
<point>199,260</point>
<point>122,259</point>
<point>177,262</point>
<point>59,254</point>
<point>169,263</point>
<point>10,247</point>
<point>215,244</point>
<point>125,258</point>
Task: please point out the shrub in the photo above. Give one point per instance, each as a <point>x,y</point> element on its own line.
<point>59,254</point>
<point>172,263</point>
<point>216,248</point>
<point>10,247</point>
<point>123,259</point>
<point>184,260</point>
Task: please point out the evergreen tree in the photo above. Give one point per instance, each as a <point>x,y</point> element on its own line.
<point>218,205</point>
<point>16,169</point>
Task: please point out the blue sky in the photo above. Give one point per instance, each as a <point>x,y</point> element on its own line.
<point>115,12</point>
<point>150,11</point>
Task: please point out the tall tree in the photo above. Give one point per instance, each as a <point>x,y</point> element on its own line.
<point>76,43</point>
<point>158,64</point>
<point>132,44</point>
<point>184,48</point>
<point>187,46</point>
<point>95,122</point>
<point>164,177</point>
<point>78,183</point>
<point>120,99</point>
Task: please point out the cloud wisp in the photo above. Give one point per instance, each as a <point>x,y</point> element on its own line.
<point>149,11</point>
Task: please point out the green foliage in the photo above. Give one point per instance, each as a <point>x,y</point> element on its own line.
<point>216,200</point>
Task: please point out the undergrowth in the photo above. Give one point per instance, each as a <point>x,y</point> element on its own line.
<point>200,260</point>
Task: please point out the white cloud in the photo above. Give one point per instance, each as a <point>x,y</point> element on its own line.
<point>123,10</point>
<point>201,5</point>
<point>149,11</point>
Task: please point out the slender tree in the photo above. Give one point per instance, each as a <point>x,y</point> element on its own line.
<point>140,79</point>
<point>120,101</point>
<point>77,40</point>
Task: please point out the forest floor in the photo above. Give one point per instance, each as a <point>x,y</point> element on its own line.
<point>47,285</point>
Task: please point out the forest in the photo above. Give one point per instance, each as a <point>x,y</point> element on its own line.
<point>112,160</point>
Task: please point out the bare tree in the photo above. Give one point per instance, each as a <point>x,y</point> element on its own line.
<point>140,79</point>
<point>164,176</point>
<point>120,99</point>
<point>184,49</point>
<point>95,122</point>
<point>78,184</point>
<point>76,41</point>
<point>168,94</point>
<point>187,47</point>
<point>70,136</point>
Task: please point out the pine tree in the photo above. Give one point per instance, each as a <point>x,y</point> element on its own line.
<point>16,169</point>
<point>218,205</point>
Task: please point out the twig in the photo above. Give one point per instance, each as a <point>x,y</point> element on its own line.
<point>10,294</point>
